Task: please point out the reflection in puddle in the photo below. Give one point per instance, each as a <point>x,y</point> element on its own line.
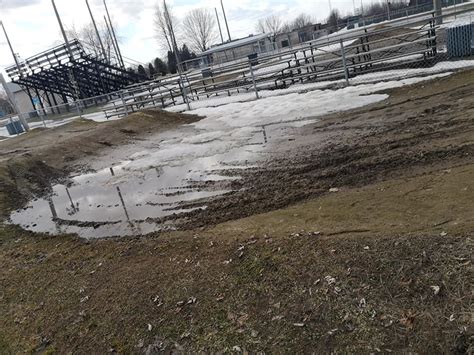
<point>113,202</point>
<point>156,188</point>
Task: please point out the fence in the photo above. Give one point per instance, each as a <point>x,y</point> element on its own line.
<point>414,41</point>
<point>411,42</point>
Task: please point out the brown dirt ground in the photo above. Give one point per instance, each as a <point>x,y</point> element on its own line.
<point>284,266</point>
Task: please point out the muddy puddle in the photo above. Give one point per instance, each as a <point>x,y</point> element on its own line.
<point>153,189</point>
<point>113,202</point>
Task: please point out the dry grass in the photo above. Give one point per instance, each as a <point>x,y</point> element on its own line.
<point>390,270</point>
<point>259,283</point>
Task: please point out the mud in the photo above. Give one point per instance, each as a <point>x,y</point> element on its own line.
<point>30,164</point>
<point>381,268</point>
<point>420,128</point>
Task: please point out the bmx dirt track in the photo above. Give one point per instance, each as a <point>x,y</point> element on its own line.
<point>381,263</point>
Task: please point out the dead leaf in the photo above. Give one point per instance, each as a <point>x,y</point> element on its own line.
<point>330,280</point>
<point>435,289</point>
<point>242,319</point>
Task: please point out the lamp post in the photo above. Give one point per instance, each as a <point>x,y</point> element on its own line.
<point>7,90</point>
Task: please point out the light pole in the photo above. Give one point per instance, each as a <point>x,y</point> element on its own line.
<point>362,12</point>
<point>7,89</point>
<point>72,78</point>
<point>219,24</point>
<point>225,20</point>
<point>96,31</point>
<point>169,24</point>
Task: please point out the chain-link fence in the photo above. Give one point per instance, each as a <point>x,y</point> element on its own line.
<point>408,46</point>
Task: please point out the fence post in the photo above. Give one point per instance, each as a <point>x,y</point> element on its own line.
<point>185,94</point>
<point>253,80</point>
<point>190,90</point>
<point>344,64</point>
<point>124,104</point>
<point>42,119</point>
<point>78,109</point>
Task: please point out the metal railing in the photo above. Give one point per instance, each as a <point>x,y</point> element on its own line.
<point>416,41</point>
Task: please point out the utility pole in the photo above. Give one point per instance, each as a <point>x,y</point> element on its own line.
<point>225,19</point>
<point>62,31</point>
<point>72,79</point>
<point>169,24</point>
<point>10,96</point>
<point>115,37</point>
<point>96,30</point>
<point>112,40</point>
<point>11,49</point>
<point>219,24</point>
<point>388,10</point>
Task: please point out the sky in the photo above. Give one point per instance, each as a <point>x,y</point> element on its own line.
<point>32,26</point>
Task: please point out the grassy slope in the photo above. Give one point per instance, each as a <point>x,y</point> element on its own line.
<point>383,244</point>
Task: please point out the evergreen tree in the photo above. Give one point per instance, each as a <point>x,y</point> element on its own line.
<point>151,71</point>
<point>142,72</point>
<point>172,65</point>
<point>184,54</point>
<point>160,67</point>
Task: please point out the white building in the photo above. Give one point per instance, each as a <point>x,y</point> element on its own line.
<point>22,99</point>
<point>261,44</point>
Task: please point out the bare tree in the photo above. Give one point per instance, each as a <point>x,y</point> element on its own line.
<point>285,28</point>
<point>163,26</point>
<point>89,39</point>
<point>302,20</point>
<point>272,24</point>
<point>201,32</point>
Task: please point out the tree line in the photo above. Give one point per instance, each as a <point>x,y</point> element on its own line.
<point>160,67</point>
